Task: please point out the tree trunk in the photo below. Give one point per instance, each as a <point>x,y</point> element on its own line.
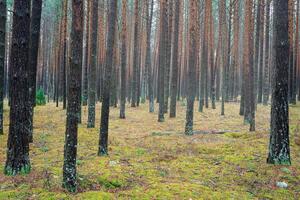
<point>86,56</point>
<point>74,97</point>
<point>266,90</point>
<point>18,143</point>
<point>93,65</point>
<point>174,83</point>
<point>162,58</point>
<point>112,17</point>
<point>135,54</point>
<point>192,66</point>
<point>33,59</point>
<point>279,150</point>
<point>2,58</point>
<point>123,60</point>
<point>261,53</point>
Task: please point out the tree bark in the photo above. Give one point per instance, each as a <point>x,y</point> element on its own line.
<point>74,98</point>
<point>192,67</point>
<point>175,60</point>
<point>112,17</point>
<point>279,150</point>
<point>93,65</point>
<point>18,144</point>
<point>3,18</point>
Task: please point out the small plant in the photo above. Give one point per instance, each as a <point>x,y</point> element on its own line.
<point>40,98</point>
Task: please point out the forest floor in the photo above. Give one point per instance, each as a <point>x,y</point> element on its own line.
<point>151,160</point>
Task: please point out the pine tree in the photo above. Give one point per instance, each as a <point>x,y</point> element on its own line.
<point>112,17</point>
<point>162,58</point>
<point>123,60</point>
<point>175,60</point>
<point>36,12</point>
<point>74,97</point>
<point>279,149</point>
<point>192,67</point>
<point>2,57</point>
<point>17,159</point>
<point>93,65</point>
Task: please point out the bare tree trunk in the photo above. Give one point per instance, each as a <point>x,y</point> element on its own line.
<point>74,98</point>
<point>112,17</point>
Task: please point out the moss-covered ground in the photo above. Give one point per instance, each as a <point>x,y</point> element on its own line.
<point>151,160</point>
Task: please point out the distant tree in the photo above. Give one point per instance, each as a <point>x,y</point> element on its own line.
<point>2,57</point>
<point>148,62</point>
<point>112,17</point>
<point>135,53</point>
<point>64,53</point>
<point>292,86</point>
<point>279,149</point>
<point>204,55</point>
<point>261,52</point>
<point>17,159</point>
<point>192,66</point>
<point>162,58</point>
<point>86,55</point>
<point>93,65</point>
<point>168,54</point>
<point>266,89</point>
<point>296,60</point>
<point>175,60</point>
<point>123,60</point>
<point>249,112</point>
<point>74,97</point>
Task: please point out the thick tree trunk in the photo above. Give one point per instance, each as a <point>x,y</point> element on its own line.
<point>74,98</point>
<point>279,150</point>
<point>17,160</point>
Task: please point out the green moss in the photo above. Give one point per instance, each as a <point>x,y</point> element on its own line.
<point>93,195</point>
<point>140,151</point>
<point>109,184</point>
<point>13,172</point>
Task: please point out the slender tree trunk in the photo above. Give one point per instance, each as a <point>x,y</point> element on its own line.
<point>112,17</point>
<point>162,58</point>
<point>2,58</point>
<point>148,64</point>
<point>33,59</point>
<point>135,54</point>
<point>74,98</point>
<point>192,67</point>
<point>261,53</point>
<point>266,90</point>
<point>175,60</point>
<point>65,61</point>
<point>123,60</point>
<point>93,65</point>
<point>86,60</point>
<point>292,98</point>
